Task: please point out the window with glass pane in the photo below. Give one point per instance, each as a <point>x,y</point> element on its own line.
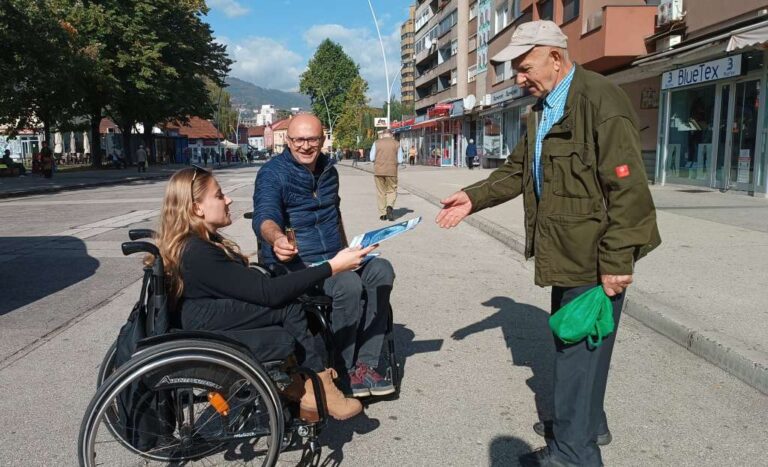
<point>689,149</point>
<point>570,10</point>
<point>492,136</point>
<point>502,18</point>
<point>546,9</point>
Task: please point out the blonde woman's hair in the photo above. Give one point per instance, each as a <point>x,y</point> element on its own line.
<point>178,223</point>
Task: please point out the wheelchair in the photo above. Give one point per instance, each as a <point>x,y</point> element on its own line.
<point>185,396</point>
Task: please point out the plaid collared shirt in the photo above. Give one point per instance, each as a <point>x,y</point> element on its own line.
<point>554,106</point>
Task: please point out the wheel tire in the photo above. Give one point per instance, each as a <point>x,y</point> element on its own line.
<point>166,354</point>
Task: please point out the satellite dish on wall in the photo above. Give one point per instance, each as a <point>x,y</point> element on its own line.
<point>469,102</point>
<point>427,43</point>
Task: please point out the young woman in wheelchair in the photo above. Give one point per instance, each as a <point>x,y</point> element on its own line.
<point>214,289</point>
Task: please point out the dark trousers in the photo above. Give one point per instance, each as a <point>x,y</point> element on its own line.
<point>359,325</point>
<point>238,320</point>
<point>581,375</point>
<point>470,162</point>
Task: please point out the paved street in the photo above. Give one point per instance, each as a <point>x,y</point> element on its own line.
<point>471,327</point>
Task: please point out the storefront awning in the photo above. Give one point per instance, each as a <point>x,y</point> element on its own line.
<point>755,37</point>
<point>428,123</point>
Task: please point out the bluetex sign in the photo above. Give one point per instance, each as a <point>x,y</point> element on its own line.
<point>725,67</point>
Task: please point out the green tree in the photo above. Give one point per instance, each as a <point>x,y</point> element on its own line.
<point>348,131</point>
<point>329,75</point>
<point>36,61</point>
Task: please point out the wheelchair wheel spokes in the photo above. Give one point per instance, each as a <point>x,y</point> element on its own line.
<point>196,408</point>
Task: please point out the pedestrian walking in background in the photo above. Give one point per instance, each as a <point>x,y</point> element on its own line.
<point>591,220</point>
<point>471,153</point>
<point>357,156</point>
<point>386,155</point>
<point>46,160</point>
<point>412,154</point>
<point>141,158</point>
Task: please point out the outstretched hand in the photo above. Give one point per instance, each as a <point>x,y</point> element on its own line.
<point>455,208</point>
<point>350,259</point>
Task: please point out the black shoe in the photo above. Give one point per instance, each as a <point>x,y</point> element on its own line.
<point>383,218</point>
<point>544,429</point>
<point>390,214</point>
<point>541,457</point>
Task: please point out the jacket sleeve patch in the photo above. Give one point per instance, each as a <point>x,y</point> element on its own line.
<point>622,171</point>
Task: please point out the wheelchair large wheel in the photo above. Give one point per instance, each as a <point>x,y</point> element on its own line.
<point>107,366</point>
<point>188,400</point>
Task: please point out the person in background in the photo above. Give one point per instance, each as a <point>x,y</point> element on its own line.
<point>386,155</point>
<point>471,153</point>
<point>141,158</point>
<point>46,160</point>
<point>412,155</point>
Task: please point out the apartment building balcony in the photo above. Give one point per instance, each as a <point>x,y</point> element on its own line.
<point>434,98</point>
<point>446,66</point>
<point>610,37</point>
<point>426,77</point>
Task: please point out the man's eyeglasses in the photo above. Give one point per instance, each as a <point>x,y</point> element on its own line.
<point>194,176</point>
<point>312,141</point>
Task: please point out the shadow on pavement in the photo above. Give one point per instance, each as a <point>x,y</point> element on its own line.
<point>32,268</point>
<point>504,451</point>
<point>527,336</point>
<point>401,212</point>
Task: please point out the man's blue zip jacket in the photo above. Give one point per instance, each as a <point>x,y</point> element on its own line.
<point>289,194</point>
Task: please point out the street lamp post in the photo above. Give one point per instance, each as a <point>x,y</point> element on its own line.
<point>384,55</point>
<point>328,113</point>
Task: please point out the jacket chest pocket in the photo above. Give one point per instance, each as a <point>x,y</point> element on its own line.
<point>572,175</point>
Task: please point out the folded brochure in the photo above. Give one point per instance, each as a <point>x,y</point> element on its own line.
<point>379,235</point>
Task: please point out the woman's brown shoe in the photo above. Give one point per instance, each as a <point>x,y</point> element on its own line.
<point>339,406</point>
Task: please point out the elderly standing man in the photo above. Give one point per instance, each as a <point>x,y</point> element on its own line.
<point>300,189</point>
<point>589,217</point>
<point>386,155</point>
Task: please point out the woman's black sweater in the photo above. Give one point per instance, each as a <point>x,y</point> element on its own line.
<point>209,273</point>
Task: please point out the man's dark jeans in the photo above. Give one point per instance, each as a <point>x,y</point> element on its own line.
<point>359,325</point>
<point>581,375</point>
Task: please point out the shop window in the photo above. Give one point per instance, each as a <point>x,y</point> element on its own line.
<point>546,9</point>
<point>689,149</point>
<point>570,10</point>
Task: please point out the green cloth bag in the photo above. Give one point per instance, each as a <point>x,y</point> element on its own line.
<point>589,316</point>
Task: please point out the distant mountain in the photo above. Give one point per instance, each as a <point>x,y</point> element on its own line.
<point>251,96</point>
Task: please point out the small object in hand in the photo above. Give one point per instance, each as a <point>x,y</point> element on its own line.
<point>291,235</point>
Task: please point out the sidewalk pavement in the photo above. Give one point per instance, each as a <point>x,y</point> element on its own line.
<point>35,184</point>
<point>704,287</point>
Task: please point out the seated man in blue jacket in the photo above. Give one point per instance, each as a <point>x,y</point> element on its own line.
<point>300,189</point>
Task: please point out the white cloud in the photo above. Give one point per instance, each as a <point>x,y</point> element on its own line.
<point>230,8</point>
<point>363,46</point>
<point>265,62</point>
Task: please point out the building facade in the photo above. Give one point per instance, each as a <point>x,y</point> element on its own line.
<point>406,59</point>
<point>695,73</point>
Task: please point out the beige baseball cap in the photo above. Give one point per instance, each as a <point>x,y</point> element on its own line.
<point>528,35</point>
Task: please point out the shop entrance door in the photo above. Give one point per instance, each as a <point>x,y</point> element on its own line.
<point>739,160</point>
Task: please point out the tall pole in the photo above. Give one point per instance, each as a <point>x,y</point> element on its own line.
<point>328,113</point>
<point>384,55</point>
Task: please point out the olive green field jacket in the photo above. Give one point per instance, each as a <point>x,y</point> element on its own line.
<point>596,215</point>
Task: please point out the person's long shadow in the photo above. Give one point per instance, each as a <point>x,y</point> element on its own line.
<point>32,268</point>
<point>337,434</point>
<point>401,212</point>
<point>527,335</point>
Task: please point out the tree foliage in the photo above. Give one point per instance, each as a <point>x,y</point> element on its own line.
<point>349,130</point>
<point>145,61</point>
<point>329,75</point>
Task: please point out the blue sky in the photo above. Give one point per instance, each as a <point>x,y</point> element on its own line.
<point>272,41</point>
